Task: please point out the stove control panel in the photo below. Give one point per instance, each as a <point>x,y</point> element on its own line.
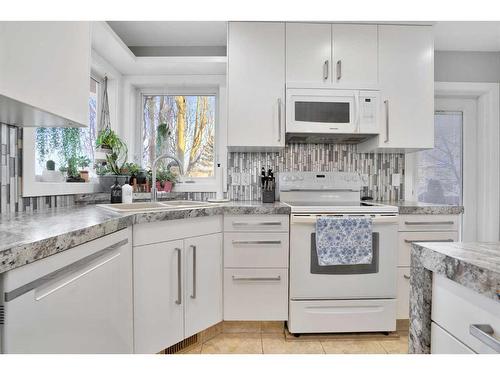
<point>319,181</point>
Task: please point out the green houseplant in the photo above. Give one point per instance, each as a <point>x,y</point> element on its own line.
<point>115,158</point>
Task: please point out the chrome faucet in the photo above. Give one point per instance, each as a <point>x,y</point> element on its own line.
<point>154,191</point>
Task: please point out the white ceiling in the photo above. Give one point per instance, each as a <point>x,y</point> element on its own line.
<point>467,36</point>
<point>171,33</point>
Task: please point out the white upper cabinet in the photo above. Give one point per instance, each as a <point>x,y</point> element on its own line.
<point>308,54</point>
<point>256,85</point>
<point>355,55</point>
<point>326,55</point>
<point>44,73</point>
<point>406,76</point>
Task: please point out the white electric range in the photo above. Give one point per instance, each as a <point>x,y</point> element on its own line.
<point>340,298</point>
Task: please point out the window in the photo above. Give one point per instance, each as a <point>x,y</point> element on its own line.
<point>183,126</point>
<point>61,144</point>
<point>439,171</point>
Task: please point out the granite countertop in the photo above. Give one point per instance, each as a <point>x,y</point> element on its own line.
<point>419,208</point>
<point>475,265</point>
<point>28,237</point>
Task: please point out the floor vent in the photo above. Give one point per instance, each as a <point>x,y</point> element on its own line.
<point>182,345</point>
<point>2,314</point>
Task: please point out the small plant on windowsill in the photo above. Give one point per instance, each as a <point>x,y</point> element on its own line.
<point>83,162</point>
<point>71,170</point>
<point>165,179</point>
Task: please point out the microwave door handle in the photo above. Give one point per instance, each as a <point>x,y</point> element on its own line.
<point>356,116</point>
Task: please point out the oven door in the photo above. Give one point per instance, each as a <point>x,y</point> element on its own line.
<point>322,111</point>
<point>308,280</point>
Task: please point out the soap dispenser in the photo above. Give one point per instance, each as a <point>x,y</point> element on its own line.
<point>116,192</point>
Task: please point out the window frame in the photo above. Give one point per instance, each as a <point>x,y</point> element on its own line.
<point>190,184</point>
<point>33,188</point>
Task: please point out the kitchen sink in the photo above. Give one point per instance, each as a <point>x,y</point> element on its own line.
<point>153,206</point>
<point>180,204</point>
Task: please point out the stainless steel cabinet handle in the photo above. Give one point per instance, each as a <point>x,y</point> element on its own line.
<point>429,222</point>
<point>241,278</point>
<point>406,277</point>
<point>339,70</point>
<point>326,69</point>
<point>386,103</point>
<point>235,242</point>
<point>484,333</point>
<point>279,119</point>
<point>411,241</point>
<point>193,295</point>
<point>178,301</point>
<point>242,223</point>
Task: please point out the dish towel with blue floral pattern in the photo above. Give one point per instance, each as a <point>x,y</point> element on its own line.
<point>344,240</point>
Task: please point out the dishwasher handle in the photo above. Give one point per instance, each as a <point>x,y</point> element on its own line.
<point>69,273</point>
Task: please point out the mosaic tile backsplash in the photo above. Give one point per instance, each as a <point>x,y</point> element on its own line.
<point>297,157</point>
<point>318,157</point>
<point>11,138</point>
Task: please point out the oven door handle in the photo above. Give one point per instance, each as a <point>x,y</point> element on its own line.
<point>299,219</point>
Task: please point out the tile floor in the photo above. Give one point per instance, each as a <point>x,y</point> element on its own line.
<point>280,343</point>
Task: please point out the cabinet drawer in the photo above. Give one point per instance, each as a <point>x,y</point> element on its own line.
<point>407,238</point>
<point>425,223</point>
<point>256,223</point>
<point>403,305</point>
<point>455,308</point>
<point>253,250</point>
<point>255,294</point>
<point>169,230</point>
<point>444,343</point>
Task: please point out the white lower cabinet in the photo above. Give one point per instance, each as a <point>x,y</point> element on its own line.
<point>419,228</point>
<point>203,297</point>
<point>471,318</point>
<point>444,343</point>
<point>158,300</point>
<point>177,290</point>
<point>255,294</point>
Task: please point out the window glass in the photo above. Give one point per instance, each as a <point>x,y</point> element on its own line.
<point>439,171</point>
<point>60,144</point>
<point>183,126</point>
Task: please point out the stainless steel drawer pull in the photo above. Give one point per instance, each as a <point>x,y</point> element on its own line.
<point>406,277</point>
<point>178,301</point>
<point>429,222</point>
<point>242,278</point>
<point>241,223</point>
<point>326,70</point>
<point>484,333</point>
<point>256,242</point>
<point>411,241</point>
<point>339,70</point>
<point>193,295</point>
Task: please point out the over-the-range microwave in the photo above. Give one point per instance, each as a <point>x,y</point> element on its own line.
<point>327,113</point>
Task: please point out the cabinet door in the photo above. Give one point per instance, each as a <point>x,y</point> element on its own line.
<point>256,85</point>
<point>355,55</point>
<point>158,298</point>
<point>203,292</point>
<point>47,65</point>
<point>406,73</point>
<point>308,54</point>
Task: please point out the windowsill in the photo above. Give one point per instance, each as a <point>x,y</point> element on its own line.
<point>38,188</point>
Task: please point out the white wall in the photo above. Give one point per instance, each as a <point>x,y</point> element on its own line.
<point>459,66</point>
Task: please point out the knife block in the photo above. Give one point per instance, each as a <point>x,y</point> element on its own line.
<point>268,196</point>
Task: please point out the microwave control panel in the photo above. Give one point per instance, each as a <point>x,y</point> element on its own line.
<point>369,111</point>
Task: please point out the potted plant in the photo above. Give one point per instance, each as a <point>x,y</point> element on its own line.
<point>83,162</point>
<point>112,168</point>
<point>71,170</point>
<point>165,180</point>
